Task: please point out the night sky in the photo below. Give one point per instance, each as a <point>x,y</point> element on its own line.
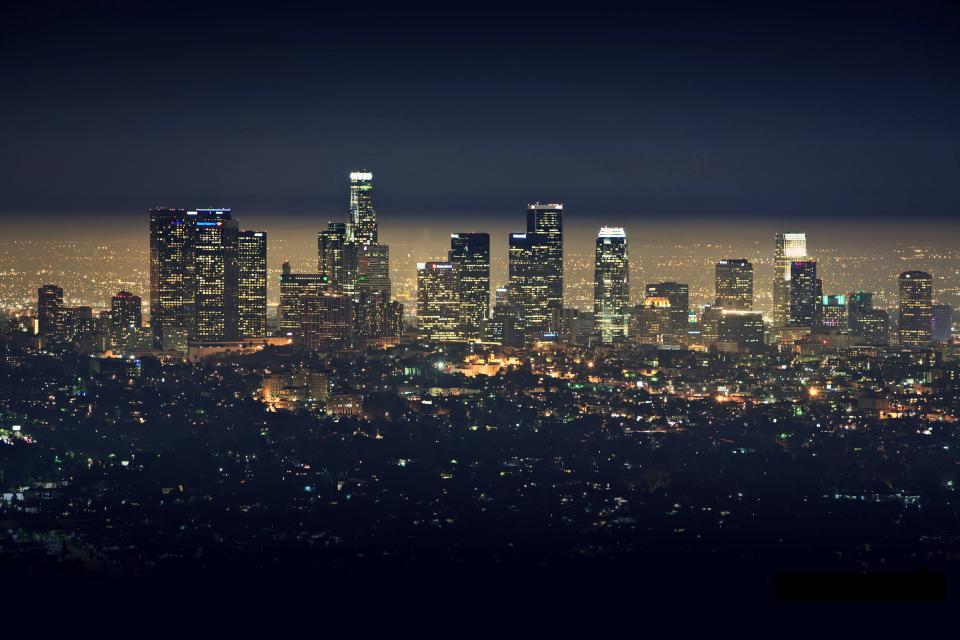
<point>680,109</point>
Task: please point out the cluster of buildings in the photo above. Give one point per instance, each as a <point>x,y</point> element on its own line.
<point>208,294</point>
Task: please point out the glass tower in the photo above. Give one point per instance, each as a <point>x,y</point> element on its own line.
<point>789,247</point>
<point>916,308</point>
<point>733,287</point>
<point>363,218</point>
<point>252,296</point>
<point>611,284</point>
<point>471,253</point>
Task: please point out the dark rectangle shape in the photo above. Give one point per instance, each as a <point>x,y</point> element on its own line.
<point>920,585</point>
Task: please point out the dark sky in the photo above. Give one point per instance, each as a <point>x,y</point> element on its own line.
<point>676,109</point>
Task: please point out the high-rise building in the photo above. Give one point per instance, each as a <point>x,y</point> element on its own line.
<point>679,296</point>
<point>789,247</point>
<point>293,288</point>
<point>833,312</point>
<point>942,323</point>
<point>325,317</point>
<point>471,253</point>
<point>363,217</point>
<point>126,318</point>
<point>916,313</point>
<point>438,302</point>
<point>51,321</point>
<point>547,220</point>
<point>803,294</point>
<point>651,320</point>
<point>530,279</point>
<point>733,287</point>
<point>743,328</point>
<point>373,270</point>
<point>172,292</point>
<point>872,324</point>
<point>330,254</point>
<point>252,285</point>
<point>215,254</point>
<point>611,284</point>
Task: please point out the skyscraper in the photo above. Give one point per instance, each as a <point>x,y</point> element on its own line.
<point>293,288</point>
<point>252,295</point>
<point>172,293</point>
<point>733,287</point>
<point>471,253</point>
<point>803,294</point>
<point>363,217</point>
<point>916,313</point>
<point>530,279</point>
<point>438,302</point>
<point>867,321</point>
<point>215,253</point>
<point>50,312</point>
<point>126,318</point>
<point>833,312</point>
<point>611,284</point>
<point>679,296</point>
<point>789,247</point>
<point>373,269</point>
<point>325,317</point>
<point>547,220</point>
<point>330,254</point>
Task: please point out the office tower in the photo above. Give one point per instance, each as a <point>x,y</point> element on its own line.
<point>215,254</point>
<point>172,317</point>
<point>803,294</point>
<point>363,218</point>
<point>710,324</point>
<point>733,287</point>
<point>325,317</point>
<point>78,322</point>
<point>651,320</point>
<point>502,327</point>
<point>126,318</point>
<point>742,328</point>
<point>679,296</point>
<point>529,284</point>
<point>916,294</point>
<point>611,284</point>
<point>872,324</point>
<point>579,326</point>
<point>330,254</point>
<point>942,323</point>
<point>438,302</point>
<point>50,312</point>
<point>859,301</point>
<point>252,285</point>
<point>293,288</point>
<point>833,312</point>
<point>789,247</point>
<point>547,219</point>
<point>471,253</point>
<point>373,269</point>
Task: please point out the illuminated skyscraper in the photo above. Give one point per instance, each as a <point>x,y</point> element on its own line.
<point>789,247</point>
<point>833,312</point>
<point>611,284</point>
<point>743,328</point>
<point>916,313</point>
<point>530,279</point>
<point>438,302</point>
<point>471,253</point>
<point>325,317</point>
<point>172,292</point>
<point>215,253</point>
<point>679,296</point>
<point>734,284</point>
<point>803,294</point>
<point>363,217</point>
<point>373,269</point>
<point>651,320</point>
<point>293,288</point>
<point>866,321</point>
<point>330,244</point>
<point>50,312</point>
<point>252,296</point>
<point>126,318</point>
<point>547,220</point>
